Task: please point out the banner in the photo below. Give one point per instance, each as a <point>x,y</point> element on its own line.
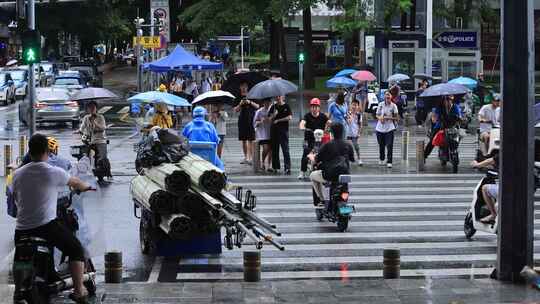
<point>159,9</point>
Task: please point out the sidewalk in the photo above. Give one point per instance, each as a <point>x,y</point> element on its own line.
<point>375,291</point>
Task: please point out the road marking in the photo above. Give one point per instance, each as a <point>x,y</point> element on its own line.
<point>156,269</point>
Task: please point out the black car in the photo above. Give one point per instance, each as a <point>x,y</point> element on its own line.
<point>95,77</point>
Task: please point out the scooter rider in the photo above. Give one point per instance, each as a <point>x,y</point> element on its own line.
<point>35,188</point>
<point>334,151</point>
<point>490,192</point>
<point>312,121</point>
<point>488,116</point>
<point>93,129</point>
<point>443,117</point>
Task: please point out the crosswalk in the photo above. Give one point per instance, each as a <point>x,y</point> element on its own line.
<point>421,214</point>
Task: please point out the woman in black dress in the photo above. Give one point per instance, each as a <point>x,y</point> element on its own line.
<point>246,132</point>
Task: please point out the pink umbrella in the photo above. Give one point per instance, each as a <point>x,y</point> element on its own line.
<point>363,76</point>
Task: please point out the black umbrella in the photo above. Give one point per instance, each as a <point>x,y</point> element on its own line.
<point>232,84</point>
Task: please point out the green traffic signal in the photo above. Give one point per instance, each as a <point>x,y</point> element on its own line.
<point>301,57</point>
<point>31,44</point>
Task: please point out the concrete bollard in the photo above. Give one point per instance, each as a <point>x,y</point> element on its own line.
<point>22,147</point>
<point>113,267</point>
<point>256,156</point>
<point>252,266</point>
<point>405,145</point>
<point>7,159</point>
<point>391,263</point>
<point>420,156</point>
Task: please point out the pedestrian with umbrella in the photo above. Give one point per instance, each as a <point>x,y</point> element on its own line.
<point>421,113</point>
<point>215,101</point>
<point>246,133</point>
<point>280,113</point>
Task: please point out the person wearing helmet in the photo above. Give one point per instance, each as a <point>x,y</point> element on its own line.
<point>201,130</point>
<point>162,118</point>
<point>54,159</point>
<point>314,120</point>
<point>162,88</point>
<point>488,116</point>
<point>337,151</point>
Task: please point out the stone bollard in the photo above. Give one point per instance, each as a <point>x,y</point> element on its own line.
<point>256,156</point>
<point>252,266</point>
<point>405,145</point>
<point>7,159</point>
<point>420,156</point>
<point>22,147</point>
<point>113,267</point>
<point>391,263</point>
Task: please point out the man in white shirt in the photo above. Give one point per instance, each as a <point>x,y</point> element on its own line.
<point>488,116</point>
<point>35,188</point>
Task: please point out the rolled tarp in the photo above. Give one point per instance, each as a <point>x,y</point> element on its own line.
<point>204,175</point>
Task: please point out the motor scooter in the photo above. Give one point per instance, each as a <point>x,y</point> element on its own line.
<point>449,151</point>
<point>101,167</point>
<point>36,275</point>
<point>336,209</point>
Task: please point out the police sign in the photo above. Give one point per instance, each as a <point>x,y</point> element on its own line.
<point>457,39</point>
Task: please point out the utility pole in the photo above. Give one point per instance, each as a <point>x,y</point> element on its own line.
<point>140,58</point>
<point>516,194</point>
<point>32,76</point>
<point>429,37</point>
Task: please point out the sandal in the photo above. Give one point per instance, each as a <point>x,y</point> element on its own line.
<point>79,299</point>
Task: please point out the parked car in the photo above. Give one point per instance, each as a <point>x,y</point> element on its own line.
<point>52,105</point>
<point>20,79</point>
<point>7,88</point>
<point>95,76</point>
<point>69,81</point>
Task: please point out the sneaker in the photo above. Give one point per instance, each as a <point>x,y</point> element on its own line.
<point>389,165</point>
<point>270,170</point>
<point>244,162</point>
<point>249,162</point>
<point>287,171</point>
<point>302,175</point>
<point>381,163</point>
<point>360,162</point>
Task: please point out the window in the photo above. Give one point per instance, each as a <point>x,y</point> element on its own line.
<point>461,68</point>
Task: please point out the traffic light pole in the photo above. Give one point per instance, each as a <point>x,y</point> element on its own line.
<point>301,86</point>
<point>31,78</point>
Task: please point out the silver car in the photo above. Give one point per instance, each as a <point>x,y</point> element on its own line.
<point>52,105</point>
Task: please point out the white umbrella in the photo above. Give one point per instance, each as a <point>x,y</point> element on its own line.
<point>11,62</point>
<point>214,97</point>
<point>93,93</point>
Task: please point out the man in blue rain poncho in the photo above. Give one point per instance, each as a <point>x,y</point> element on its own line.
<point>202,131</point>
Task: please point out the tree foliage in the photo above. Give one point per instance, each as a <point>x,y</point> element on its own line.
<point>468,10</point>
<point>393,8</point>
<point>357,15</point>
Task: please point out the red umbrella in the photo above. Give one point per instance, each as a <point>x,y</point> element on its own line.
<point>363,76</point>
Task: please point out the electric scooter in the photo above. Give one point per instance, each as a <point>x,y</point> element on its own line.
<point>336,209</point>
<point>35,273</point>
<point>101,167</point>
<point>449,152</point>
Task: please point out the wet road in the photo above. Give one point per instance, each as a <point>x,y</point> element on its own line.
<point>420,213</point>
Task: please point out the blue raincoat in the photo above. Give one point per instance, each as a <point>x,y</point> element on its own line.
<point>201,130</point>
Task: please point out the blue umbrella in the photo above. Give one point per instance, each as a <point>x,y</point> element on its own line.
<point>398,77</point>
<point>444,89</point>
<point>340,82</point>
<point>465,81</point>
<point>345,72</point>
<point>159,97</point>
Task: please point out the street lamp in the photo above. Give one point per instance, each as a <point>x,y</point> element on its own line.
<point>429,36</point>
<point>242,46</point>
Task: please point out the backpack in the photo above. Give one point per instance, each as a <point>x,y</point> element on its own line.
<point>331,170</point>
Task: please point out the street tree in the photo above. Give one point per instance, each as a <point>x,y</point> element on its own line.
<point>393,8</point>
<point>467,10</point>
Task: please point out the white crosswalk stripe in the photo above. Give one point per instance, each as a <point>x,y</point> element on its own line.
<point>421,214</point>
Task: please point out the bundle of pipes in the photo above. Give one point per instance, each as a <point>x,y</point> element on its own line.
<point>170,178</point>
<point>204,176</point>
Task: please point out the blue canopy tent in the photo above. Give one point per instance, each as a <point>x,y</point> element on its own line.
<point>181,60</point>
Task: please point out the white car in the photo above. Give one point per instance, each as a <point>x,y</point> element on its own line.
<point>7,88</point>
<point>20,78</point>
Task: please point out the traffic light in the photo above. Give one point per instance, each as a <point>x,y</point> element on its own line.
<point>31,43</point>
<point>301,57</point>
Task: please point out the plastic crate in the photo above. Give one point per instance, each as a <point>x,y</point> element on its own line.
<point>206,150</point>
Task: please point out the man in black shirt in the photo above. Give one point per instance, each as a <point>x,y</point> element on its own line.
<point>281,114</point>
<point>312,121</point>
<point>329,152</point>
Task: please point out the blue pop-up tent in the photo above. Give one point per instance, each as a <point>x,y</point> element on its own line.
<point>180,59</point>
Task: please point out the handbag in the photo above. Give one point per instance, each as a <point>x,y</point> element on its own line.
<point>438,139</point>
